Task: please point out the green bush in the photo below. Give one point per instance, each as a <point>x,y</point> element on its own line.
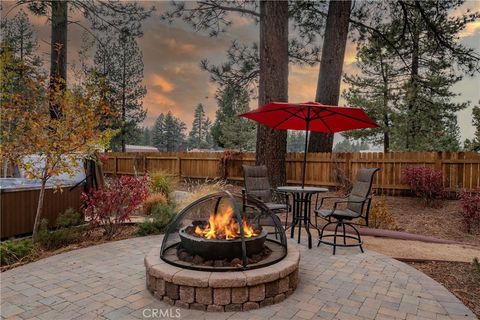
<point>69,218</point>
<point>162,215</point>
<point>54,239</point>
<point>12,251</point>
<point>162,182</point>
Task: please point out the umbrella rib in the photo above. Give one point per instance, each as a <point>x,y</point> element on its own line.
<point>321,119</point>
<point>326,125</point>
<point>292,114</point>
<point>317,113</point>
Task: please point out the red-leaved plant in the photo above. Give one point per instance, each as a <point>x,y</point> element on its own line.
<point>470,203</point>
<point>115,203</point>
<point>426,183</point>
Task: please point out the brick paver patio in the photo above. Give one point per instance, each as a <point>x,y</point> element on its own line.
<point>108,282</point>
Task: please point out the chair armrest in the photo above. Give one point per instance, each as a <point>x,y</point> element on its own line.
<point>323,198</point>
<point>245,194</point>
<point>347,201</point>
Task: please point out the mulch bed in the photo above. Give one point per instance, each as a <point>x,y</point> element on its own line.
<point>458,277</point>
<point>444,221</point>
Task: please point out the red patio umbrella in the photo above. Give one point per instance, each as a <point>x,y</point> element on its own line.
<point>310,116</point>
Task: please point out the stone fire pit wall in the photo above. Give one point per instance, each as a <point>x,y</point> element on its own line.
<point>222,291</point>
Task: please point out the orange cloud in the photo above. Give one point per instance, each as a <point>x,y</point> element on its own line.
<point>240,21</point>
<point>180,47</point>
<point>350,53</point>
<point>154,99</point>
<point>159,81</point>
<point>471,29</point>
<point>302,83</point>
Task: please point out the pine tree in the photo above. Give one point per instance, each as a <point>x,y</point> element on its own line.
<point>427,113</point>
<point>210,144</point>
<point>474,144</point>
<point>174,133</point>
<point>18,35</point>
<point>376,90</point>
<point>348,146</point>
<point>229,131</point>
<point>147,137</point>
<point>407,89</point>
<point>199,136</point>
<point>168,133</point>
<point>120,61</point>
<point>102,15</point>
<point>238,133</point>
<point>157,132</point>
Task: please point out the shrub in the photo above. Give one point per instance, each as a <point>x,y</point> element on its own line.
<point>69,218</point>
<point>379,216</point>
<point>199,190</point>
<point>54,239</point>
<point>426,183</point>
<point>162,182</point>
<point>162,215</point>
<point>115,203</point>
<point>12,251</point>
<point>470,203</point>
<point>152,200</point>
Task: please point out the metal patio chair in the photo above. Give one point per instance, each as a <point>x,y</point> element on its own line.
<point>257,185</point>
<point>357,206</point>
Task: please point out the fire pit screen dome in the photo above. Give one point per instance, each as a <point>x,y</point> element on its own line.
<point>224,232</point>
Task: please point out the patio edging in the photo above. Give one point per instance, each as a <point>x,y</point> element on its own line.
<point>400,235</point>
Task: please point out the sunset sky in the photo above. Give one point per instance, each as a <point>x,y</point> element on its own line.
<point>175,81</point>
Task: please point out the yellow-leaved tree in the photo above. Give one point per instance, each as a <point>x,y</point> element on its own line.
<point>42,145</point>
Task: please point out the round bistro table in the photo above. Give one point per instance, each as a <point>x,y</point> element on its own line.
<point>302,207</point>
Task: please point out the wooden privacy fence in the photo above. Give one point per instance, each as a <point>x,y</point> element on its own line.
<point>460,170</point>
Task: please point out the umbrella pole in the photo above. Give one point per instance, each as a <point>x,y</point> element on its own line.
<point>305,159</point>
<point>305,148</point>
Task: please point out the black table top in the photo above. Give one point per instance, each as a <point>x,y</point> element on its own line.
<point>299,189</point>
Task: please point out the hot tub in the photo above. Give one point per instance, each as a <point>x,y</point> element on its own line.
<point>19,199</point>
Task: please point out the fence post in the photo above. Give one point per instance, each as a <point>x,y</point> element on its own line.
<point>116,165</point>
<point>438,166</point>
<point>438,161</point>
<point>144,164</point>
<point>348,170</point>
<point>179,166</point>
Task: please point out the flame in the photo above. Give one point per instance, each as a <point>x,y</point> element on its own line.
<point>224,226</point>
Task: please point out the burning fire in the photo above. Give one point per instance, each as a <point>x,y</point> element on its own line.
<point>224,226</point>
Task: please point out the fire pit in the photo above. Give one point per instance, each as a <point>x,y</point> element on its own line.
<point>216,249</point>
<point>225,232</point>
<point>223,237</point>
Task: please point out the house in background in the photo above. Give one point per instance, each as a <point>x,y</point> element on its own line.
<point>135,148</point>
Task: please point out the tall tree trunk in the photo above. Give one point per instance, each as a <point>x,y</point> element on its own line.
<point>58,51</point>
<point>330,75</point>
<point>386,142</point>
<point>38,215</point>
<point>124,106</point>
<point>386,120</point>
<point>412,92</point>
<point>271,145</point>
